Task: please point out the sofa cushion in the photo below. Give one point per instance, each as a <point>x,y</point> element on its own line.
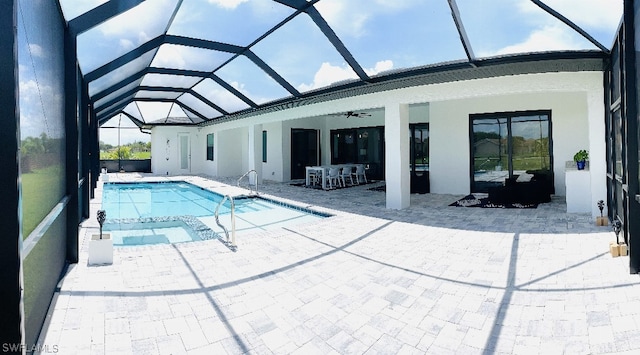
<point>524,177</point>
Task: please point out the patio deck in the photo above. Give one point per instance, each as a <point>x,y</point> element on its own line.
<point>427,279</point>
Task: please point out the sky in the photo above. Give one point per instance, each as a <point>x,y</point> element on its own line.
<point>382,35</point>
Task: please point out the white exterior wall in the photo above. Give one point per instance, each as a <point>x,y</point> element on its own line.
<point>273,169</point>
<point>231,151</point>
<point>576,101</point>
<point>164,149</point>
<point>449,134</point>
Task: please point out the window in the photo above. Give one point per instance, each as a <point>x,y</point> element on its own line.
<point>210,146</point>
<point>264,146</point>
<point>419,157</point>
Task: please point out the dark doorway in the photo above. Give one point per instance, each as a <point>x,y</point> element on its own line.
<point>419,150</point>
<point>305,151</point>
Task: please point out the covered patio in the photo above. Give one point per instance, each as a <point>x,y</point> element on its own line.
<point>224,87</point>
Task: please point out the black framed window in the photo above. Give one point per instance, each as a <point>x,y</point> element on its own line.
<point>264,146</point>
<point>210,146</point>
<point>618,144</point>
<point>505,145</point>
<point>419,157</point>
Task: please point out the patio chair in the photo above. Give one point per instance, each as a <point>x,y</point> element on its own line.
<point>334,175</point>
<point>346,172</point>
<point>314,178</point>
<point>360,171</point>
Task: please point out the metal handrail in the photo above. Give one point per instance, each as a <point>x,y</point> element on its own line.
<point>246,174</point>
<point>232,243</point>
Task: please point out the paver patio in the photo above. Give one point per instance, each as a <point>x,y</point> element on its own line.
<point>427,279</point>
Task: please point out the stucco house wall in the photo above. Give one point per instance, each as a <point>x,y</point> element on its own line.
<point>575,100</point>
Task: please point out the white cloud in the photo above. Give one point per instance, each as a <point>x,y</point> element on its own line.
<point>548,38</point>
<point>143,37</point>
<point>126,44</point>
<point>596,14</point>
<point>36,50</point>
<point>34,98</point>
<point>28,91</point>
<point>169,56</point>
<point>227,4</point>
<point>380,66</point>
<point>344,17</point>
<point>257,99</point>
<point>152,111</point>
<point>225,99</point>
<point>74,8</point>
<point>352,18</point>
<point>329,74</point>
<point>149,15</point>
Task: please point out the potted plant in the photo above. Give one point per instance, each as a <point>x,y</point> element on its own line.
<point>101,245</point>
<point>580,158</point>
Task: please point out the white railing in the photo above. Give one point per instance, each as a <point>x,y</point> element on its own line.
<point>230,243</point>
<point>250,187</point>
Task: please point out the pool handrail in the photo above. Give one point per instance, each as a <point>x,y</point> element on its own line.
<point>246,174</point>
<point>232,243</point>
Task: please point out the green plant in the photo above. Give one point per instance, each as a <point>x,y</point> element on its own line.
<point>581,155</point>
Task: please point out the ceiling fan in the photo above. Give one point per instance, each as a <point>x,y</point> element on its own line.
<point>353,114</point>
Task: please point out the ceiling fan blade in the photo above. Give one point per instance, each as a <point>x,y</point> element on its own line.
<point>351,114</point>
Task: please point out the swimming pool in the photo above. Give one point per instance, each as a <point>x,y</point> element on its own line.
<point>141,200</point>
<point>138,213</point>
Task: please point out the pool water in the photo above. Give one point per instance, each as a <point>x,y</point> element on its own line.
<point>139,213</point>
<point>140,200</point>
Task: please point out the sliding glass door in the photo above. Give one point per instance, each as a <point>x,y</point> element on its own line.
<point>490,163</point>
<point>505,145</point>
<point>364,145</point>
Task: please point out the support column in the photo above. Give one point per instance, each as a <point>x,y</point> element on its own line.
<point>396,137</point>
<point>94,149</point>
<point>85,161</point>
<point>597,150</point>
<point>72,134</point>
<point>12,331</point>
<point>255,152</point>
<point>632,81</point>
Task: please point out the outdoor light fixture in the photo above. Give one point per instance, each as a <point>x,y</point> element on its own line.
<point>617,226</point>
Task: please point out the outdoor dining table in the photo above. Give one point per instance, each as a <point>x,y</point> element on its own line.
<point>324,169</point>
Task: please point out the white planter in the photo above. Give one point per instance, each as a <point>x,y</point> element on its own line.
<point>100,250</point>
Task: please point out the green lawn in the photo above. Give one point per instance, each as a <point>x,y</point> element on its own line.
<point>41,191</point>
<point>134,155</point>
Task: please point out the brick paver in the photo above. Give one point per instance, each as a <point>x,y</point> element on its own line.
<point>427,279</point>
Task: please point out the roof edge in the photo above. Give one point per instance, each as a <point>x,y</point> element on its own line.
<point>514,64</point>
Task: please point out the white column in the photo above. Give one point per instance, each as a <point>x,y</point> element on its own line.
<point>255,152</point>
<point>396,137</point>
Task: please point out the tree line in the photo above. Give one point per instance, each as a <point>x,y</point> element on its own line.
<point>135,150</point>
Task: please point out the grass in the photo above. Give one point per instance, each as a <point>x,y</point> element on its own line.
<point>134,156</point>
<point>42,189</point>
